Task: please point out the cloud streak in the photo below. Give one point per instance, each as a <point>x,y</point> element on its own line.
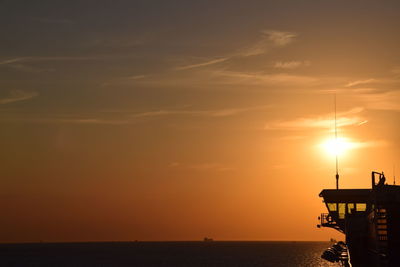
<point>269,39</point>
<point>203,64</point>
<point>217,77</point>
<point>360,82</point>
<point>13,60</point>
<point>113,117</point>
<point>17,95</point>
<point>250,78</point>
<point>209,113</point>
<point>288,65</point>
<point>38,118</point>
<point>368,144</point>
<point>22,63</point>
<point>137,77</point>
<point>39,58</point>
<point>280,38</point>
<point>347,118</point>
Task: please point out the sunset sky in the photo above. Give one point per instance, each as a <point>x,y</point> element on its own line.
<point>176,120</point>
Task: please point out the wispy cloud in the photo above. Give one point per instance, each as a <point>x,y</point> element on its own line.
<point>268,39</point>
<point>137,77</point>
<point>38,118</point>
<point>368,144</point>
<point>347,118</point>
<point>18,95</point>
<point>291,64</point>
<point>221,77</point>
<point>280,38</point>
<point>210,113</point>
<point>40,58</point>
<point>116,117</point>
<point>237,77</point>
<point>203,64</point>
<point>319,122</point>
<point>25,63</point>
<point>91,121</point>
<point>13,60</point>
<point>27,68</point>
<point>360,82</point>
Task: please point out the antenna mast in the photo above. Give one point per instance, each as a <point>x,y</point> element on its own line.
<point>336,143</point>
<point>394,174</point>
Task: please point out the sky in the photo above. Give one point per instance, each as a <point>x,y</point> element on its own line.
<point>176,120</point>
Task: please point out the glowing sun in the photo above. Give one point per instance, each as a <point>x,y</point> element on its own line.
<point>337,147</point>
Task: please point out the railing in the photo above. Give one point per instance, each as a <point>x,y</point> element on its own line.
<point>326,220</point>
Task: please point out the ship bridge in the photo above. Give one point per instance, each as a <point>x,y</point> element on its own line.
<point>342,203</point>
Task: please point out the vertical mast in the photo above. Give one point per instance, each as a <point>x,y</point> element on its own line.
<point>336,144</point>
<point>394,174</point>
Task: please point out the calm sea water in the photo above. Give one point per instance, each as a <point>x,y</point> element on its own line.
<point>174,254</point>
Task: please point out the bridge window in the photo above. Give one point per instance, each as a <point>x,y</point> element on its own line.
<point>350,207</point>
<point>332,206</point>
<point>342,210</point>
<point>361,206</point>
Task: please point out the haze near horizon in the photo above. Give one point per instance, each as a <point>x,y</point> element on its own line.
<point>174,120</point>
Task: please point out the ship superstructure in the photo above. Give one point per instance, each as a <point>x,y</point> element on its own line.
<point>370,221</point>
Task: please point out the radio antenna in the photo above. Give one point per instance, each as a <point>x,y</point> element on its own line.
<point>394,174</point>
<point>336,144</point>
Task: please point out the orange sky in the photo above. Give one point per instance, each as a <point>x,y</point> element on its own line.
<point>174,121</point>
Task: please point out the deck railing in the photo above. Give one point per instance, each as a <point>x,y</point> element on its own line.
<point>326,220</point>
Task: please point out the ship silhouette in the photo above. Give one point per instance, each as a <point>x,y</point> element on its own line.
<point>370,221</point>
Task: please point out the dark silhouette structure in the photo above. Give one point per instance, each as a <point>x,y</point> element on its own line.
<point>370,220</point>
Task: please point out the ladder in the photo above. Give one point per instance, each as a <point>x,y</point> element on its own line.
<point>381,227</point>
<point>382,233</point>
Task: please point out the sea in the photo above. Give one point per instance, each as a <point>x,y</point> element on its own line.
<point>174,254</point>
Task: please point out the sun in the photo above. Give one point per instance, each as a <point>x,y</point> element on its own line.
<point>337,147</point>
